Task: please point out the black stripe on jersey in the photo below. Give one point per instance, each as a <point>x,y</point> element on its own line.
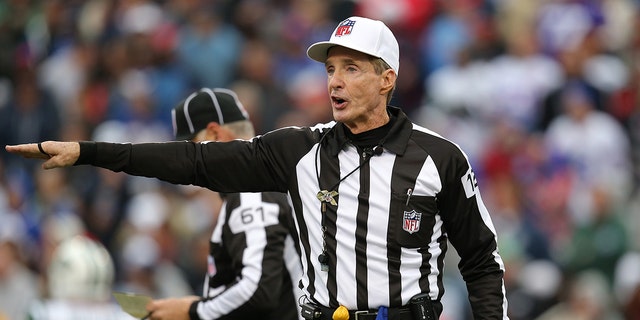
<point>303,237</point>
<point>404,166</point>
<point>329,176</point>
<point>361,235</point>
<point>444,155</point>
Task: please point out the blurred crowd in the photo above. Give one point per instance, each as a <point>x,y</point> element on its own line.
<point>544,96</point>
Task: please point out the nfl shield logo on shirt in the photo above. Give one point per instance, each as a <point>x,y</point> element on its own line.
<point>411,221</point>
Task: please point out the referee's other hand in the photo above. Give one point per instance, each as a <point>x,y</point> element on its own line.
<point>57,154</point>
<point>170,309</point>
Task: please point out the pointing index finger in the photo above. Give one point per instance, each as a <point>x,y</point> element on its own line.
<point>29,150</point>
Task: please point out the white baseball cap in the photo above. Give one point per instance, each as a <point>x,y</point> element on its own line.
<point>368,36</point>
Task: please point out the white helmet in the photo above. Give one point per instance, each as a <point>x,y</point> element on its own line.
<point>81,269</point>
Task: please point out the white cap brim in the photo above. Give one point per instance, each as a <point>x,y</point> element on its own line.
<point>319,51</point>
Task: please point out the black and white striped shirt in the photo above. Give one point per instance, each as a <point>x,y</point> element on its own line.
<point>387,233</point>
<point>254,268</point>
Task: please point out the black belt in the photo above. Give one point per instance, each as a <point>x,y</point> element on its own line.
<point>404,313</point>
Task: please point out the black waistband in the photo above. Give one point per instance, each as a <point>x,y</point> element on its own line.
<point>400,313</point>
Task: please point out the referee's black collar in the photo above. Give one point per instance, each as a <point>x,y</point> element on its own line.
<point>396,140</point>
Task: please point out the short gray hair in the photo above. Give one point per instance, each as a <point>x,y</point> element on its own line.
<point>243,129</point>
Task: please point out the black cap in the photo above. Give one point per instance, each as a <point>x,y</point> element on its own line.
<point>204,106</point>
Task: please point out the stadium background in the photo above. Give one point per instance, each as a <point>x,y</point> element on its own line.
<point>543,95</point>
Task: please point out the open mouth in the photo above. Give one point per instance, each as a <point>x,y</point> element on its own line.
<point>337,101</point>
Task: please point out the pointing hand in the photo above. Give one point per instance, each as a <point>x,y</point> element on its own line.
<point>57,154</point>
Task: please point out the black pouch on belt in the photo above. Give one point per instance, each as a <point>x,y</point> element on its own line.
<point>421,307</point>
<point>310,311</point>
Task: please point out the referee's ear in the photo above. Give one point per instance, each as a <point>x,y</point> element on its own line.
<point>388,81</point>
<point>212,130</point>
<point>209,133</point>
<point>216,132</point>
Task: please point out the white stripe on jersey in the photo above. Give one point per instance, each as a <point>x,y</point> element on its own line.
<point>428,182</point>
<point>377,229</point>
<point>256,236</point>
<point>345,229</point>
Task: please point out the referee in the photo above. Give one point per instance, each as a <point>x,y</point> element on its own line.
<point>376,197</point>
<point>253,267</point>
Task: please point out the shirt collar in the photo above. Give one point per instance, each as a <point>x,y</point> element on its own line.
<point>396,140</point>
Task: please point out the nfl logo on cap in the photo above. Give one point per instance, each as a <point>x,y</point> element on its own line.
<point>345,28</point>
